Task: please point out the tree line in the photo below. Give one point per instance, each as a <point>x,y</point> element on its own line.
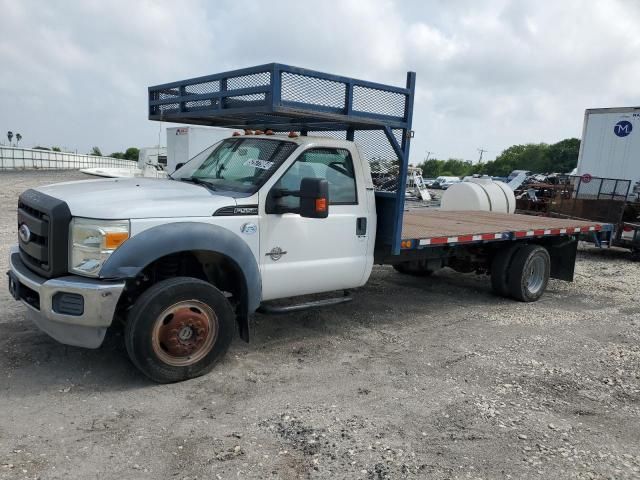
<point>561,157</point>
<point>130,153</point>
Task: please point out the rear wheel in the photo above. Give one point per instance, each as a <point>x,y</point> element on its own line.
<point>500,269</point>
<point>529,273</point>
<point>178,329</point>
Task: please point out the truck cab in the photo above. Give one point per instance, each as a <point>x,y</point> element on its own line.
<point>251,214</point>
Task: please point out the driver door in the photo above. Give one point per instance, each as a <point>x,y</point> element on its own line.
<point>310,255</point>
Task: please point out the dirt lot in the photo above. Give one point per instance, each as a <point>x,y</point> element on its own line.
<point>428,378</point>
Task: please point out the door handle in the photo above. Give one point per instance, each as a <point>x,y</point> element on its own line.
<point>361,226</point>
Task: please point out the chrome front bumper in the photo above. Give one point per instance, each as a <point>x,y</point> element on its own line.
<point>87,326</point>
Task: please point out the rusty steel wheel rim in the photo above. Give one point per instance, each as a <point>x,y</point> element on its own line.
<point>184,333</point>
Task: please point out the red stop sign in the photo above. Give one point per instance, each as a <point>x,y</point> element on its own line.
<point>586,178</point>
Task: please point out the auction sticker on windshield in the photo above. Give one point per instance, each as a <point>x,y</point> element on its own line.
<point>261,164</point>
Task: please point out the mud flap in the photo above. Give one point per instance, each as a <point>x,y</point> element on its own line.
<point>563,259</point>
<point>243,327</point>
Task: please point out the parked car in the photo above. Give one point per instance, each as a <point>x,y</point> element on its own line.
<point>429,182</point>
<point>444,182</point>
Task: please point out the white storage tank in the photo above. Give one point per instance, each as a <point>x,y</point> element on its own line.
<point>481,194</point>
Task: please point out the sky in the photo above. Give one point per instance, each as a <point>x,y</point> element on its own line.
<point>490,74</point>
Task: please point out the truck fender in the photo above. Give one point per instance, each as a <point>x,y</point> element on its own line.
<point>149,245</point>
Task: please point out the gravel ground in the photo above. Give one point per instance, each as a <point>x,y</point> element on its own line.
<point>427,378</point>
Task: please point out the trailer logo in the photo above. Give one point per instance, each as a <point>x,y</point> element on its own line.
<point>623,128</point>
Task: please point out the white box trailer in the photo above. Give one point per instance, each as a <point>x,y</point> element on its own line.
<point>184,143</point>
<point>610,146</point>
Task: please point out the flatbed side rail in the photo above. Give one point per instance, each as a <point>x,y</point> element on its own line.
<point>284,98</point>
<point>419,243</point>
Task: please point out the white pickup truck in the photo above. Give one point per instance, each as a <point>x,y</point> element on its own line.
<point>256,217</point>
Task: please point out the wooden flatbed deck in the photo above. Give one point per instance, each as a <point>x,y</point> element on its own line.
<point>434,227</point>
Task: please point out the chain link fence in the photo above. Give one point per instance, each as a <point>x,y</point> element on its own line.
<point>15,158</point>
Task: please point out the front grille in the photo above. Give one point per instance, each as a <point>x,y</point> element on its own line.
<point>47,219</point>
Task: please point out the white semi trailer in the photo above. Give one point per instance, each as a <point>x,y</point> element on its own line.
<point>610,145</point>
<point>184,143</point>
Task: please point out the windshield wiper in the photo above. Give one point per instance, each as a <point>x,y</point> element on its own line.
<point>199,181</point>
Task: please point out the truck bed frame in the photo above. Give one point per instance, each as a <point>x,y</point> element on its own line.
<point>424,227</point>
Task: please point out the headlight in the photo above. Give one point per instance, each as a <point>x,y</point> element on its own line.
<point>92,241</point>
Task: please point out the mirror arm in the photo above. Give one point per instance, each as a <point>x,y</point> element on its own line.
<point>285,193</point>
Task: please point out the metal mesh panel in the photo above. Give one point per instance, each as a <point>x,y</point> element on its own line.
<point>199,104</point>
<point>244,100</point>
<point>617,189</point>
<point>201,88</point>
<point>371,100</point>
<point>599,188</point>
<point>168,108</point>
<point>598,199</point>
<point>248,81</point>
<point>163,95</point>
<point>381,156</point>
<point>312,90</point>
<point>337,134</point>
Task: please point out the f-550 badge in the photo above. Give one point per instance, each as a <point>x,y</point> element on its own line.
<point>276,253</point>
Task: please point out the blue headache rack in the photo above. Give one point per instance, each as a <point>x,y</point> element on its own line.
<point>285,98</point>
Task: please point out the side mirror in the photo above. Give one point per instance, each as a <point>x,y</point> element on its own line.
<point>314,198</point>
<point>313,195</point>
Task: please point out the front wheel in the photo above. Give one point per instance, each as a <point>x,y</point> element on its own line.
<point>178,329</point>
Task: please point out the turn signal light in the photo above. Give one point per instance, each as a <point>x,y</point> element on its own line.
<point>292,134</point>
<point>405,244</point>
<point>269,132</point>
<point>321,205</point>
<point>113,240</point>
<point>236,134</point>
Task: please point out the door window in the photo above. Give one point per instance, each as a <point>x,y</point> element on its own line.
<point>332,164</point>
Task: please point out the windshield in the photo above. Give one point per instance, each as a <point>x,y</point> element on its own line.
<point>237,164</point>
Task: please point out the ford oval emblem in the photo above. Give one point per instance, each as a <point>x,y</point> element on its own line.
<point>249,228</point>
<point>24,233</point>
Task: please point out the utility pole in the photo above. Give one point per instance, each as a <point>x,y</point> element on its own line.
<point>482,151</point>
<point>427,157</point>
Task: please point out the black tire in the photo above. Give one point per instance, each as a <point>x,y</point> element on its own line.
<point>500,270</point>
<point>164,315</point>
<point>409,268</point>
<point>529,273</point>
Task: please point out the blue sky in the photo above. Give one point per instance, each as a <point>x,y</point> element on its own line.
<point>489,74</point>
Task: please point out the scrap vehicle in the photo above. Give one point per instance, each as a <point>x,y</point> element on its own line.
<point>284,208</point>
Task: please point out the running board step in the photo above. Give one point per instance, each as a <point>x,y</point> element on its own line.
<point>298,307</point>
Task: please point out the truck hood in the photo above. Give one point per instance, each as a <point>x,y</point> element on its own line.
<point>137,198</point>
